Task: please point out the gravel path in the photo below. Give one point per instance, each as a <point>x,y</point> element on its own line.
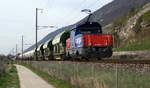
<point>28,79</point>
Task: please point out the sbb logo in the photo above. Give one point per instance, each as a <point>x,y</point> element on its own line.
<point>78,41</point>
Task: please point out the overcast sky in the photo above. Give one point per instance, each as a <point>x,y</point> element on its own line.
<point>17,18</point>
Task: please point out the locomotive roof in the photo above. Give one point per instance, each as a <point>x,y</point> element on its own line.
<point>87,24</point>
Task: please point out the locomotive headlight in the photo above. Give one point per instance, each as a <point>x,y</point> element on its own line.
<point>90,43</point>
<point>106,43</point>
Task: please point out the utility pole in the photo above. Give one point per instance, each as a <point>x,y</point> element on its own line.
<point>22,47</point>
<point>16,51</point>
<point>116,76</point>
<point>36,31</point>
<point>36,28</point>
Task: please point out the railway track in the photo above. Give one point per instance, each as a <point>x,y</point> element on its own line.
<point>120,61</point>
<point>115,61</point>
<point>126,57</point>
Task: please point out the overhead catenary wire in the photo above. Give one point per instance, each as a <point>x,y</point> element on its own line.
<point>73,15</point>
<point>83,3</point>
<point>77,8</point>
<point>66,21</point>
<point>92,4</point>
<point>79,17</point>
<point>11,51</point>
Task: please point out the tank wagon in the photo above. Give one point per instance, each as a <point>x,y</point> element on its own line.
<point>86,41</point>
<point>28,55</point>
<point>31,55</point>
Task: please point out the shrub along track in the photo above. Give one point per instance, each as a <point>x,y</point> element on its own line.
<point>137,61</point>
<point>87,69</point>
<point>138,66</point>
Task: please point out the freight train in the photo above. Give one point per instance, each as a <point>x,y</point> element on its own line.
<point>84,41</point>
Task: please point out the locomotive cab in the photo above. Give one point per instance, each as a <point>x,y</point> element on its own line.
<point>87,41</point>
<point>89,28</point>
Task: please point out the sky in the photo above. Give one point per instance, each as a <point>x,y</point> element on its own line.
<point>17,19</point>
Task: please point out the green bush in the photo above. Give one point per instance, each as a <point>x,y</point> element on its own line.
<point>146,17</point>
<point>9,79</point>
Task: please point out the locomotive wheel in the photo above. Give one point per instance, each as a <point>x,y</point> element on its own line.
<point>68,57</point>
<point>73,59</point>
<point>99,58</point>
<point>85,58</point>
<point>109,52</point>
<point>63,58</point>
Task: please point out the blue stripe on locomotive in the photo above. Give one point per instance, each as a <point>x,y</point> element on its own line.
<point>75,40</point>
<point>78,41</point>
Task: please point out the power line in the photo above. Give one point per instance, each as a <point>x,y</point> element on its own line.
<point>91,5</point>
<point>22,47</point>
<point>77,8</point>
<point>79,17</point>
<point>69,14</point>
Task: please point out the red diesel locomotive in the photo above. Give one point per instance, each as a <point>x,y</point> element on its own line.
<point>88,41</point>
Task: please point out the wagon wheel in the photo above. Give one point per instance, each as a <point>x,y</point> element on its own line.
<point>85,58</point>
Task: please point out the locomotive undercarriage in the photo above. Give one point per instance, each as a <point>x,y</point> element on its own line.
<point>97,52</point>
<point>90,52</point>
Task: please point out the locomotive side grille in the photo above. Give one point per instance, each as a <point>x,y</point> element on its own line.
<point>97,40</point>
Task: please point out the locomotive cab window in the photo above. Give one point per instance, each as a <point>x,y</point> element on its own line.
<point>89,30</point>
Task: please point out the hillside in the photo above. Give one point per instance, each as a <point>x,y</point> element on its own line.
<point>131,32</point>
<point>109,13</point>
<point>117,9</point>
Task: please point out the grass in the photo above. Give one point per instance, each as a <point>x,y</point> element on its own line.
<point>132,80</point>
<point>53,81</point>
<point>92,76</point>
<point>145,17</point>
<point>140,45</point>
<point>9,79</point>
